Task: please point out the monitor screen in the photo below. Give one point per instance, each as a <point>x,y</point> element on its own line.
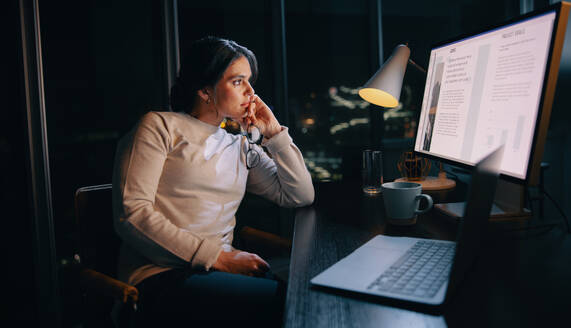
<point>485,90</point>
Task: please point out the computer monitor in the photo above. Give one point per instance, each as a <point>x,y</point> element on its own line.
<point>494,87</point>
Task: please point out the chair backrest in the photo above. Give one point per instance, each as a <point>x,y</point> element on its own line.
<point>99,244</point>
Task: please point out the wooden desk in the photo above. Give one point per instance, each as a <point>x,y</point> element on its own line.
<point>502,290</point>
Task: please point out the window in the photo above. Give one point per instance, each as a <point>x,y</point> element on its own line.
<point>328,60</point>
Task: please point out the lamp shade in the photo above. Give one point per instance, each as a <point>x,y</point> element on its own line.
<point>383,89</point>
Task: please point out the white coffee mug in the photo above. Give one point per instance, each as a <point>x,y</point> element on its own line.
<point>402,201</point>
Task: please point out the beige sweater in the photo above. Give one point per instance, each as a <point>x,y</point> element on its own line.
<point>177,185</point>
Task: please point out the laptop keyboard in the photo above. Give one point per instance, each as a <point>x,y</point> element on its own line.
<point>420,272</point>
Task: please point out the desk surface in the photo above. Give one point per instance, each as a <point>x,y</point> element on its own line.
<point>515,283</point>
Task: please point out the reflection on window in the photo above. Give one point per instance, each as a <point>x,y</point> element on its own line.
<point>328,58</point>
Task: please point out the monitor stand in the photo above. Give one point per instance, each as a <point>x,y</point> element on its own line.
<point>508,204</point>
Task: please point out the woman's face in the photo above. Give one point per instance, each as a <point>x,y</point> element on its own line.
<point>233,90</point>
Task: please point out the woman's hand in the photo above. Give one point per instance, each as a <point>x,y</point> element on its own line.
<point>242,263</point>
<point>260,115</point>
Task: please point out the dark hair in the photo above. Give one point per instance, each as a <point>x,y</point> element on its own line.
<point>204,64</point>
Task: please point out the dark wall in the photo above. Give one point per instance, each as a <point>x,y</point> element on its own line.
<point>104,68</point>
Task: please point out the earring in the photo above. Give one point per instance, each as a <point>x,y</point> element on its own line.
<point>208,100</point>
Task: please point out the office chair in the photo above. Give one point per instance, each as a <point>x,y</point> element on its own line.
<point>106,300</point>
<point>97,260</point>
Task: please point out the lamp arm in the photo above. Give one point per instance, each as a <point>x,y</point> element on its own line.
<point>420,68</point>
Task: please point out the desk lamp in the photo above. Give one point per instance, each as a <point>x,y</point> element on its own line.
<point>384,88</point>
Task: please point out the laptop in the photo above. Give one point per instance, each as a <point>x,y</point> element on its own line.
<point>420,270</point>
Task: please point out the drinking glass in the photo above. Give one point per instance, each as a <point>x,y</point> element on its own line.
<point>372,171</point>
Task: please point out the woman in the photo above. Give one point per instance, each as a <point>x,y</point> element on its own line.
<point>178,181</point>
